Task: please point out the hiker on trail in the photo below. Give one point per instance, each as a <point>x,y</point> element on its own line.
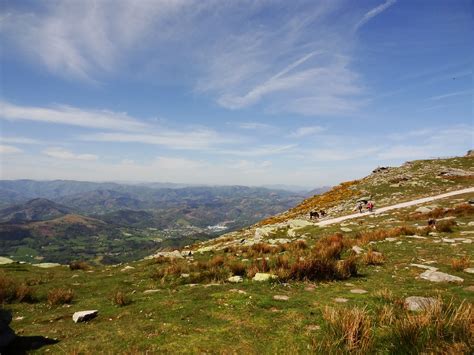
<point>370,206</point>
<point>360,205</point>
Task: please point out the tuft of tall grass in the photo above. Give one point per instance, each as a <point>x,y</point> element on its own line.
<point>120,298</point>
<point>59,296</point>
<point>79,265</point>
<point>12,290</point>
<point>460,264</point>
<point>373,258</point>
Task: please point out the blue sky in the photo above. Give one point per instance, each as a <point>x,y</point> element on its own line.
<point>306,93</point>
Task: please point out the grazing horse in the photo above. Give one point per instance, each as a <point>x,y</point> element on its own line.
<point>322,213</point>
<point>313,214</point>
<point>432,223</point>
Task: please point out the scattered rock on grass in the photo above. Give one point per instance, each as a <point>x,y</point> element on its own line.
<point>469,288</point>
<point>426,267</point>
<point>235,279</point>
<point>469,270</point>
<point>345,229</point>
<point>128,267</point>
<point>281,298</point>
<point>357,250</point>
<point>4,261</point>
<point>147,292</point>
<point>416,303</point>
<point>84,316</point>
<point>437,276</point>
<point>358,291</point>
<point>46,265</point>
<point>340,300</point>
<point>263,276</point>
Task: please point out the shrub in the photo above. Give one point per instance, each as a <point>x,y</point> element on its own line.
<point>11,290</point>
<point>314,268</point>
<point>330,247</point>
<point>384,294</point>
<point>300,245</point>
<point>120,299</point>
<point>217,260</point>
<point>59,296</point>
<point>261,248</point>
<point>373,258</point>
<point>79,265</point>
<point>237,268</point>
<point>347,267</point>
<point>349,329</point>
<point>445,226</point>
<point>460,264</point>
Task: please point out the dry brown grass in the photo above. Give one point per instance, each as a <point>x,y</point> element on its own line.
<point>373,258</point>
<point>350,329</point>
<point>120,298</point>
<point>59,296</point>
<point>385,295</point>
<point>12,290</point>
<point>79,265</point>
<point>445,226</point>
<point>237,268</point>
<point>387,315</point>
<point>460,264</point>
<point>347,268</point>
<point>462,210</point>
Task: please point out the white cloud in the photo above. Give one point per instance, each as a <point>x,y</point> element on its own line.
<point>306,131</point>
<point>9,149</point>
<point>259,150</point>
<point>255,125</point>
<point>452,94</point>
<point>60,153</point>
<point>68,115</point>
<point>374,12</point>
<point>20,140</point>
<point>195,139</point>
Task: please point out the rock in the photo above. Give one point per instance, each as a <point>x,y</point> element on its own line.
<point>437,276</point>
<point>46,265</point>
<point>184,276</point>
<point>390,239</point>
<point>358,250</point>
<point>447,240</point>
<point>185,253</point>
<point>454,172</point>
<point>358,291</point>
<point>4,261</point>
<point>7,335</point>
<point>263,276</point>
<point>340,300</point>
<point>415,237</point>
<point>313,327</point>
<point>175,254</point>
<point>242,292</point>
<point>346,229</point>
<point>84,316</point>
<point>469,270</point>
<point>471,224</point>
<point>279,241</point>
<point>310,288</point>
<point>426,267</point>
<point>469,288</point>
<point>128,267</point>
<point>206,249</point>
<point>423,210</point>
<point>148,292</point>
<point>416,303</point>
<point>281,298</point>
<point>235,279</point>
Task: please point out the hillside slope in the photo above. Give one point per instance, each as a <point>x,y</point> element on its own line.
<point>382,283</point>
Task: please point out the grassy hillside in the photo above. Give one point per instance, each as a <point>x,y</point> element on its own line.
<point>325,296</point>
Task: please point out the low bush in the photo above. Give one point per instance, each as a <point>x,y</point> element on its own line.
<point>59,296</point>
<point>460,264</point>
<point>12,290</point>
<point>79,265</point>
<point>373,258</point>
<point>445,226</point>
<point>121,299</point>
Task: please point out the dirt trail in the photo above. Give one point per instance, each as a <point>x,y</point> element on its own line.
<point>394,207</point>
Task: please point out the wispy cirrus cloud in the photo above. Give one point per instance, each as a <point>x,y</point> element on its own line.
<point>264,150</point>
<point>73,116</point>
<point>20,140</point>
<point>306,131</point>
<point>61,153</point>
<point>451,94</point>
<point>9,149</point>
<point>374,12</point>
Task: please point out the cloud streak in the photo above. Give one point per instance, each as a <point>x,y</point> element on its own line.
<point>63,154</point>
<point>374,12</point>
<point>73,116</point>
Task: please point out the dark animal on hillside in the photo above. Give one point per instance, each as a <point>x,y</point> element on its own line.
<point>432,223</point>
<point>322,213</point>
<point>313,214</point>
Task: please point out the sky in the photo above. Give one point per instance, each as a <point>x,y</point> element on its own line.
<point>307,93</point>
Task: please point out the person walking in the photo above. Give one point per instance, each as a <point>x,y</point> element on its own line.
<point>370,206</point>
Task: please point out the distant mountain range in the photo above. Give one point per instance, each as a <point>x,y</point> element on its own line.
<point>61,220</point>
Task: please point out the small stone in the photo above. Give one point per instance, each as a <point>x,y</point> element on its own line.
<point>345,229</point>
<point>340,300</point>
<point>415,237</point>
<point>447,240</point>
<point>313,327</point>
<point>128,267</point>
<point>46,265</point>
<point>310,288</point>
<point>415,303</point>
<point>281,298</point>
<point>242,292</point>
<point>262,276</point>
<point>471,224</point>
<point>437,276</point>
<point>423,210</point>
<point>84,316</point>
<point>358,291</point>
<point>358,250</point>
<point>426,267</point>
<point>235,279</point>
<point>469,288</point>
<point>390,239</point>
<point>147,292</point>
<point>185,276</point>
<point>469,270</point>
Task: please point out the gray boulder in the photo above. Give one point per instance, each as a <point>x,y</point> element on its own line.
<point>84,316</point>
<point>437,276</point>
<point>416,303</point>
